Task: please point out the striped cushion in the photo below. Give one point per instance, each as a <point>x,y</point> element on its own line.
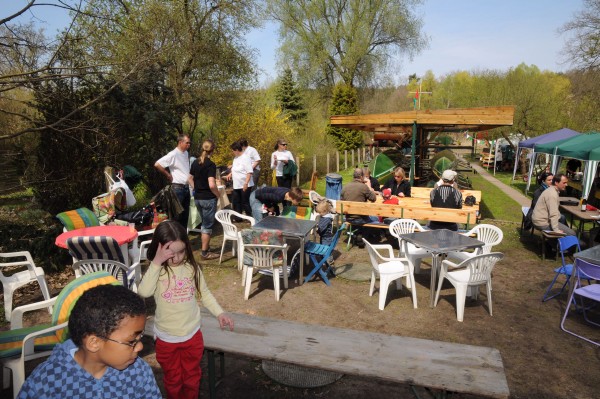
<point>11,341</point>
<point>95,247</point>
<point>297,212</point>
<point>78,218</point>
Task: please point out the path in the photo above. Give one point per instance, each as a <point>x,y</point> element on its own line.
<point>513,193</point>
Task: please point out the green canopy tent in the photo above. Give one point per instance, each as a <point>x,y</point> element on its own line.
<point>579,147</point>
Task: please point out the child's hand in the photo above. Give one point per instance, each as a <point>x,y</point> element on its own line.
<point>163,253</point>
<point>224,321</point>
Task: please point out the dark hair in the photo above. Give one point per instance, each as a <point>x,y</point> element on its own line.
<point>244,142</point>
<point>543,176</point>
<point>100,309</point>
<point>236,146</point>
<point>557,178</point>
<point>296,194</point>
<point>171,230</point>
<point>279,141</point>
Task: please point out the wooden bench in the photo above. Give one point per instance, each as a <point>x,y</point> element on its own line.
<point>434,364</point>
<point>467,215</point>
<point>424,192</point>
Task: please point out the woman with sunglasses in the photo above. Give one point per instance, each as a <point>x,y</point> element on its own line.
<point>279,158</point>
<point>397,183</point>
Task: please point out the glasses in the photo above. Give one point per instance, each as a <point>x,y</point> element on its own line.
<point>132,343</point>
<point>284,144</point>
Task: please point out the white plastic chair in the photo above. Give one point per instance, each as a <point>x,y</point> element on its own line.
<point>10,283</point>
<point>472,272</point>
<point>413,253</point>
<point>263,258</point>
<point>137,252</point>
<point>230,231</point>
<point>489,234</point>
<point>389,269</point>
<point>117,269</point>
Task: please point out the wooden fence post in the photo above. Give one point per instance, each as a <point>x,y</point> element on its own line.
<point>314,163</point>
<point>345,159</point>
<point>328,162</point>
<point>337,161</point>
<point>298,174</point>
<point>353,158</point>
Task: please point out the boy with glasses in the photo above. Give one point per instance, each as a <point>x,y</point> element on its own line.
<point>101,358</point>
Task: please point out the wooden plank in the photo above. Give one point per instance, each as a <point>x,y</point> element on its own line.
<point>440,365</point>
<point>467,215</point>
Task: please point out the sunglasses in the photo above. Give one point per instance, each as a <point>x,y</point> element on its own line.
<point>284,144</point>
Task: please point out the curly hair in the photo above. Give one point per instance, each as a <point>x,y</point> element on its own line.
<point>100,309</point>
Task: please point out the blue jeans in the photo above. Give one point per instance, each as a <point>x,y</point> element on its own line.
<point>183,195</point>
<point>257,207</point>
<point>207,209</point>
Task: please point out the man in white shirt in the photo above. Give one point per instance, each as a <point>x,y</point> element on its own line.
<point>255,158</point>
<point>175,166</point>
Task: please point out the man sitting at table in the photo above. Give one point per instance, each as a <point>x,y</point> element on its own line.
<point>359,190</point>
<point>546,213</point>
<point>446,196</point>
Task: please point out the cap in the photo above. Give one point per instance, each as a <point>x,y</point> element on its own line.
<point>449,175</point>
<point>387,192</point>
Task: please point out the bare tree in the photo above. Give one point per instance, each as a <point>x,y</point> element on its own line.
<point>583,51</point>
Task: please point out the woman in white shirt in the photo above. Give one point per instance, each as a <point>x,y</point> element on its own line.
<point>279,158</point>
<point>241,175</point>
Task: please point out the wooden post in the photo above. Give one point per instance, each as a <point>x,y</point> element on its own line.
<point>337,161</point>
<point>345,159</point>
<point>358,157</point>
<point>364,153</point>
<point>314,162</point>
<point>298,174</point>
<point>328,162</point>
<point>353,158</point>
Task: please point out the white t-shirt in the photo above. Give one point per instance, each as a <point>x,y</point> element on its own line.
<point>178,163</point>
<point>253,155</point>
<point>242,166</point>
<point>281,156</point>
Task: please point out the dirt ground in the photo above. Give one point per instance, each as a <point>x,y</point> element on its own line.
<point>540,360</point>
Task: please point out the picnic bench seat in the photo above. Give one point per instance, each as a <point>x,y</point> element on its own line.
<point>434,364</point>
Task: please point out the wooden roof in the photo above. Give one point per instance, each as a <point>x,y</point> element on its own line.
<point>452,119</point>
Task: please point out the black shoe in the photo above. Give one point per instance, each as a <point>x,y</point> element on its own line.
<point>358,241</point>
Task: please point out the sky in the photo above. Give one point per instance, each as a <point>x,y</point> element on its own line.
<point>467,35</point>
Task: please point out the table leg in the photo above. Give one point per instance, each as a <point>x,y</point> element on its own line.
<point>302,256</point>
<point>435,266</point>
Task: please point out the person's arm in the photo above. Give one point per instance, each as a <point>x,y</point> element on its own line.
<point>212,184</point>
<point>248,177</point>
<point>406,190</point>
<point>553,213</point>
<point>164,171</point>
<point>273,161</point>
<point>149,282</point>
<point>210,303</point>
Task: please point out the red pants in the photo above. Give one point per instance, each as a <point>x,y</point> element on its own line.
<point>181,366</point>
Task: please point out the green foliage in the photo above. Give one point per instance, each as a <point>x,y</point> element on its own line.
<point>260,124</point>
<point>288,96</point>
<point>328,41</point>
<point>344,102</point>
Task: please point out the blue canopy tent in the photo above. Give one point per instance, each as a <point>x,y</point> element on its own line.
<point>561,134</point>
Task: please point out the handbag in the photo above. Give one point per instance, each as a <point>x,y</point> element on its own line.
<point>194,216</point>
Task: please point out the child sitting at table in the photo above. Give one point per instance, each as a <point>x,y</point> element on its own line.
<point>325,224</point>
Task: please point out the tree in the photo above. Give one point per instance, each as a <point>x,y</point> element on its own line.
<point>344,102</point>
<point>288,96</point>
<point>583,50</point>
<point>330,41</point>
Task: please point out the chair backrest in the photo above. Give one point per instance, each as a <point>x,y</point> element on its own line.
<point>11,341</point>
<point>565,244</point>
<point>586,270</point>
<point>489,234</point>
<point>78,219</point>
<point>373,255</point>
<point>336,238</point>
<point>480,266</point>
<point>28,261</point>
<point>263,256</point>
<point>95,247</point>
<point>224,217</point>
<point>404,226</point>
<point>259,237</point>
<point>116,269</point>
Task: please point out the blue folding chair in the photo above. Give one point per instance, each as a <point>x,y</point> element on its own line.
<point>566,269</point>
<point>315,250</point>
